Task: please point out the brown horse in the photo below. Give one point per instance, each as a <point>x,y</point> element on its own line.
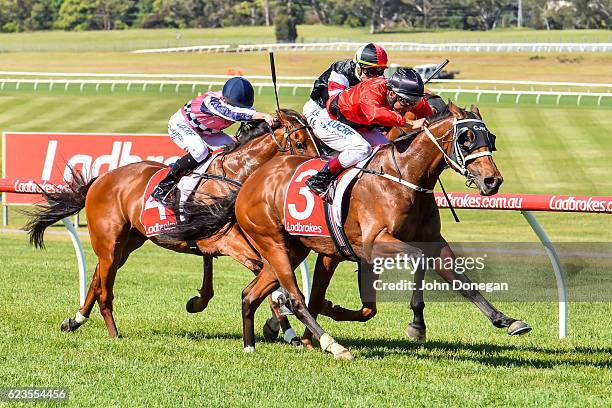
<point>113,203</point>
<point>326,266</point>
<point>401,215</point>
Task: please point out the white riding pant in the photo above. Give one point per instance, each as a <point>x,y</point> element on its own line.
<point>191,141</point>
<point>353,146</point>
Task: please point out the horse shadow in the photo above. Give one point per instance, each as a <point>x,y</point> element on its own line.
<point>488,354</point>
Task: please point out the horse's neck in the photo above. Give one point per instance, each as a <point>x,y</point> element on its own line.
<point>419,164</point>
<point>241,163</point>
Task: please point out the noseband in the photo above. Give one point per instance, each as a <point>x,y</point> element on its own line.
<point>299,146</point>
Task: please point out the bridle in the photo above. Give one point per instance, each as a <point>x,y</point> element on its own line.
<point>286,139</point>
<point>459,155</point>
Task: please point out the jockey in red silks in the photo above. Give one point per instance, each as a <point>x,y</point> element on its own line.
<point>358,114</point>
<point>197,127</point>
<point>370,62</point>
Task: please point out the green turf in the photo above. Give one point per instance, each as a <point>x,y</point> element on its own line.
<point>137,39</point>
<point>170,358</point>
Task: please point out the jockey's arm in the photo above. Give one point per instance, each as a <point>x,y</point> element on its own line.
<point>264,116</point>
<point>336,83</point>
<point>376,114</point>
<point>234,113</point>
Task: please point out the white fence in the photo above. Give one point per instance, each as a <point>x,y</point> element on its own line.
<point>143,83</point>
<point>396,46</point>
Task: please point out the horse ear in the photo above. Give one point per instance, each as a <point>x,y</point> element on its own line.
<point>475,110</point>
<point>453,108</point>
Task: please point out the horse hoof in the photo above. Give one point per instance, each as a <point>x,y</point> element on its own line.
<point>69,325</point>
<point>296,342</point>
<point>415,334</point>
<point>191,305</point>
<point>344,355</point>
<point>308,344</point>
<point>269,333</point>
<point>249,349</point>
<point>518,327</point>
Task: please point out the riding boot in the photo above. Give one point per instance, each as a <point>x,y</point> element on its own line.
<point>180,168</point>
<point>320,182</point>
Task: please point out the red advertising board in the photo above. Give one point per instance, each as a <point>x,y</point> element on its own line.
<point>47,156</point>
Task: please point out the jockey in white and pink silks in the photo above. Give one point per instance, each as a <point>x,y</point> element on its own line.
<point>197,127</point>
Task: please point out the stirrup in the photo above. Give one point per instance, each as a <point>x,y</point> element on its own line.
<point>166,199</point>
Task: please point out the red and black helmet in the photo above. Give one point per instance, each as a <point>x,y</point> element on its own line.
<point>371,56</point>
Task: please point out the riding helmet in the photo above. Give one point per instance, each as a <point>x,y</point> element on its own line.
<point>371,56</point>
<point>238,91</point>
<point>407,83</point>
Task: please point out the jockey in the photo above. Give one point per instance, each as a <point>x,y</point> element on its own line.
<point>359,112</point>
<point>197,127</point>
<point>370,61</point>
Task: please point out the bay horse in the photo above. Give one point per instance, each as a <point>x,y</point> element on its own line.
<point>402,214</point>
<point>416,330</point>
<point>326,265</point>
<point>113,204</point>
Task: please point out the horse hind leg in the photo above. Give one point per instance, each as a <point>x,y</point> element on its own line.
<point>103,280</point>
<point>71,324</point>
<point>198,303</point>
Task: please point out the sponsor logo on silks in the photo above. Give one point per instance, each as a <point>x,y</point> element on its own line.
<point>340,127</point>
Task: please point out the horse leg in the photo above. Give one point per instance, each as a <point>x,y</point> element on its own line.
<point>278,321</point>
<point>71,324</point>
<point>252,296</point>
<point>497,318</point>
<point>236,245</point>
<point>417,330</point>
<point>277,256</point>
<point>199,303</point>
<point>324,271</point>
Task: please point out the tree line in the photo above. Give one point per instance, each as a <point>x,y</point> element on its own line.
<point>379,15</point>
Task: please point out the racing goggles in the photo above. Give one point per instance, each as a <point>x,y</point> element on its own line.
<point>372,72</point>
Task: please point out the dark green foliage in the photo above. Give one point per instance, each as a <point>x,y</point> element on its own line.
<point>380,15</point>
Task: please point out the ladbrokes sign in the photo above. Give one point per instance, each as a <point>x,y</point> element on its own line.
<point>47,156</point>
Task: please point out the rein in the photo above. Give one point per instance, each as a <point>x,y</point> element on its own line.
<point>459,164</point>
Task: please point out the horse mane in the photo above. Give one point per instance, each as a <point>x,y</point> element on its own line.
<point>252,130</point>
<point>441,114</point>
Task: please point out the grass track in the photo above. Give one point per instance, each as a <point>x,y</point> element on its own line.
<point>168,357</point>
<point>171,358</point>
<point>134,39</point>
<point>589,67</point>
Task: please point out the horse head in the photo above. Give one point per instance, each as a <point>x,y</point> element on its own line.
<point>466,146</point>
<point>294,135</point>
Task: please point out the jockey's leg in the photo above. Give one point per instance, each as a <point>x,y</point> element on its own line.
<point>189,140</point>
<point>352,147</point>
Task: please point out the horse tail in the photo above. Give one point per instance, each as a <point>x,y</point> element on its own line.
<point>60,204</point>
<point>205,219</point>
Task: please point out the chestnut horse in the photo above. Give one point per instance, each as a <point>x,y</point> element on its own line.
<point>113,204</point>
<point>405,211</point>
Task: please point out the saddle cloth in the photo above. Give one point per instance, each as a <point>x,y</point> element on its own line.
<point>306,214</point>
<point>155,217</point>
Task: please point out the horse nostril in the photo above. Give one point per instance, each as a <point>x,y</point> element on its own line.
<point>491,182</point>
